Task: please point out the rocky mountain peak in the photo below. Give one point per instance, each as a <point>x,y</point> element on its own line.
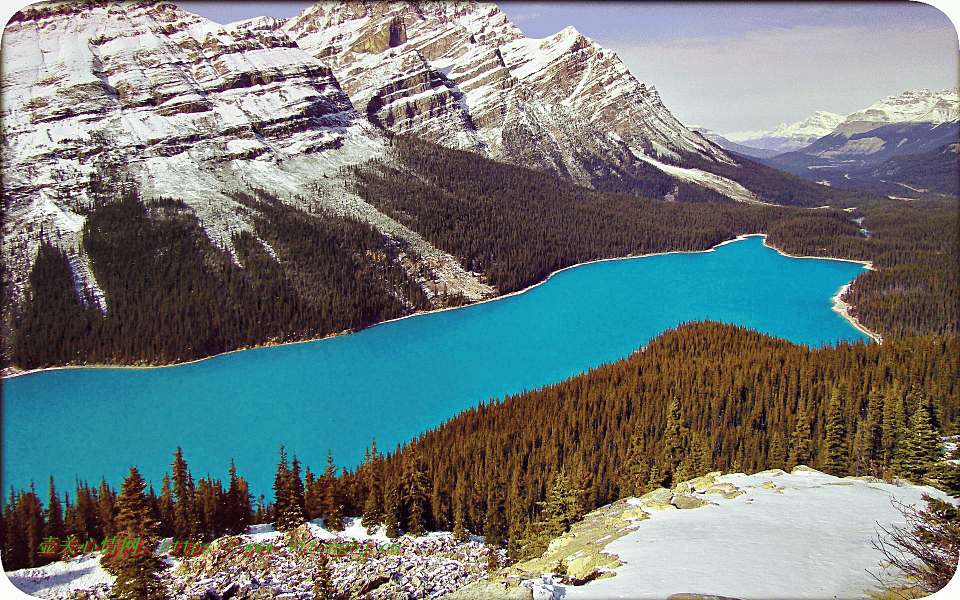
<point>461,74</point>
<point>95,93</point>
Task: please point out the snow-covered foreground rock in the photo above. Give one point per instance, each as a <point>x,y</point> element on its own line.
<point>805,534</point>
<point>800,535</point>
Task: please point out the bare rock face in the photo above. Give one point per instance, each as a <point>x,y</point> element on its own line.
<point>103,90</point>
<point>459,73</point>
<point>98,93</point>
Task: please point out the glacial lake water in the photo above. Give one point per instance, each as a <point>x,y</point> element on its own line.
<point>397,379</point>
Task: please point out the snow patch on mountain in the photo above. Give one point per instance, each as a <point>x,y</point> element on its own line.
<point>729,188</point>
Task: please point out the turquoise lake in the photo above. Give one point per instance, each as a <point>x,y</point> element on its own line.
<point>397,379</point>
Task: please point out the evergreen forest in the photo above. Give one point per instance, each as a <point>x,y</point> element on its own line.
<point>705,396</point>
<point>518,470</point>
<point>171,295</point>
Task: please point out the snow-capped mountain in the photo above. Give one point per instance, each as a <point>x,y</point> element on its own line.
<point>461,74</point>
<point>789,137</point>
<point>918,106</point>
<point>96,93</point>
<point>915,122</point>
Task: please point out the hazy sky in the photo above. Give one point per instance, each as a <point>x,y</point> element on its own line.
<point>733,66</point>
<point>748,66</point>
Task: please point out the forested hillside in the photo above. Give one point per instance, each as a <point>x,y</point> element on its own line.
<point>172,296</point>
<point>705,396</point>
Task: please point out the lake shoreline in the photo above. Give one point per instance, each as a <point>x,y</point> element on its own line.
<point>840,307</point>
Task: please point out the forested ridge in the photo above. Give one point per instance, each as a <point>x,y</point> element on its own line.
<point>702,397</point>
<point>172,296</point>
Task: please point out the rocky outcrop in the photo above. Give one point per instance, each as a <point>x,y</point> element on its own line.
<point>425,567</point>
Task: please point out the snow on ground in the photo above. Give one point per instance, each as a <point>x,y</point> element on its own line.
<point>729,188</point>
<point>81,572</point>
<point>800,535</point>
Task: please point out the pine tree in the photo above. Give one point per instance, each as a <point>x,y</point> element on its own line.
<point>674,442</point>
<point>288,508</point>
<point>186,526</point>
<point>921,446</point>
<point>167,511</point>
<point>54,520</point>
<point>414,494</point>
<point>373,506</point>
<point>16,554</point>
<point>873,429</point>
<point>30,513</point>
<point>332,502</point>
<point>88,524</point>
<point>801,439</point>
<point>558,511</point>
<point>136,571</point>
<point>460,532</point>
<point>107,508</point>
<point>210,503</point>
<point>391,503</point>
<point>636,472</point>
<point>239,511</point>
<point>894,430</point>
<point>777,458</point>
<point>296,484</point>
<point>835,455</point>
<point>494,523</point>
<point>517,517</point>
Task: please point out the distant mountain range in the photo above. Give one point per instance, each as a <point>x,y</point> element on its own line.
<point>849,150</point>
<point>920,106</point>
<point>789,137</point>
<point>732,146</point>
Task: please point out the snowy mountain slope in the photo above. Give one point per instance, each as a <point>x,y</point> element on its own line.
<point>461,74</point>
<point>96,93</point>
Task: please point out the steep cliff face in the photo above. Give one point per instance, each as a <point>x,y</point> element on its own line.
<point>151,92</point>
<point>459,73</point>
<point>97,93</point>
